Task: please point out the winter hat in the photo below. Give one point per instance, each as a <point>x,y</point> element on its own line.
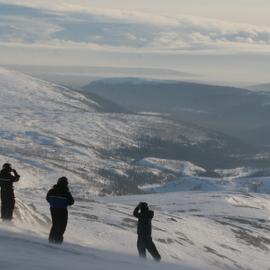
<point>144,205</point>
<point>7,166</point>
<point>62,181</point>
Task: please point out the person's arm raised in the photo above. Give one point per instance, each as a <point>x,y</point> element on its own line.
<point>136,211</point>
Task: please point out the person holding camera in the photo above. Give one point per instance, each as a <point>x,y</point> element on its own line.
<point>144,231</point>
<point>7,177</point>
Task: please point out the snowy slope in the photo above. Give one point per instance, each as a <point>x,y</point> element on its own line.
<point>210,230</point>
<point>202,230</point>
<point>20,250</point>
<point>47,131</point>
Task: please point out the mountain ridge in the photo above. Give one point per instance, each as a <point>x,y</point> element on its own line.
<point>229,110</point>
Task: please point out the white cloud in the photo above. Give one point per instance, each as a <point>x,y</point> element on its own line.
<point>80,26</point>
<point>25,30</point>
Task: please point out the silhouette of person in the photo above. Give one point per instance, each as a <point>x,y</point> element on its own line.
<point>59,198</point>
<point>144,231</point>
<point>7,177</point>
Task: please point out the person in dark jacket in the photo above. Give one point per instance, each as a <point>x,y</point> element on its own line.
<point>144,231</point>
<point>59,198</point>
<point>7,177</point>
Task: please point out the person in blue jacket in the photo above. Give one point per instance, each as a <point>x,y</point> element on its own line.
<point>144,231</point>
<point>59,198</point>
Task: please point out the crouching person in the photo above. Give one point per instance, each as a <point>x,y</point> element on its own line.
<point>144,230</point>
<point>59,198</point>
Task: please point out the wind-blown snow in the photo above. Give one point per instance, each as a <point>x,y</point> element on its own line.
<point>202,230</point>
<point>25,251</point>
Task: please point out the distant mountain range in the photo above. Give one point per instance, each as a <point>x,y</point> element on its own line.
<point>233,111</point>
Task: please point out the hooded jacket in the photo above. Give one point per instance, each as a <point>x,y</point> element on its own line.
<point>7,180</point>
<point>145,217</point>
<point>59,197</point>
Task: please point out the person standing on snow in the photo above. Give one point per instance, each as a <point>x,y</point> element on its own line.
<point>7,177</point>
<point>144,231</point>
<point>59,198</point>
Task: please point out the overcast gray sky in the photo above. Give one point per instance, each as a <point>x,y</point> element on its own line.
<point>147,33</point>
<point>249,11</point>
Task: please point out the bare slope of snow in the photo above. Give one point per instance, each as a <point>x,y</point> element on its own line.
<point>21,250</point>
<point>209,230</point>
<point>202,230</point>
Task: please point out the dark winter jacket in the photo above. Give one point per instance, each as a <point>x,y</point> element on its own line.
<point>6,182</point>
<point>144,216</point>
<point>59,197</point>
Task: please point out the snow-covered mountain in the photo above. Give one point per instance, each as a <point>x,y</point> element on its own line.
<point>48,130</point>
<point>51,129</point>
<point>200,222</point>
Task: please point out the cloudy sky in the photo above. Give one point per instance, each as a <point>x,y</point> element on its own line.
<point>217,40</point>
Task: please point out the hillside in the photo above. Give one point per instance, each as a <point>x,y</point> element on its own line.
<point>192,230</point>
<point>48,130</point>
<point>210,212</point>
<point>21,250</point>
<point>226,109</point>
